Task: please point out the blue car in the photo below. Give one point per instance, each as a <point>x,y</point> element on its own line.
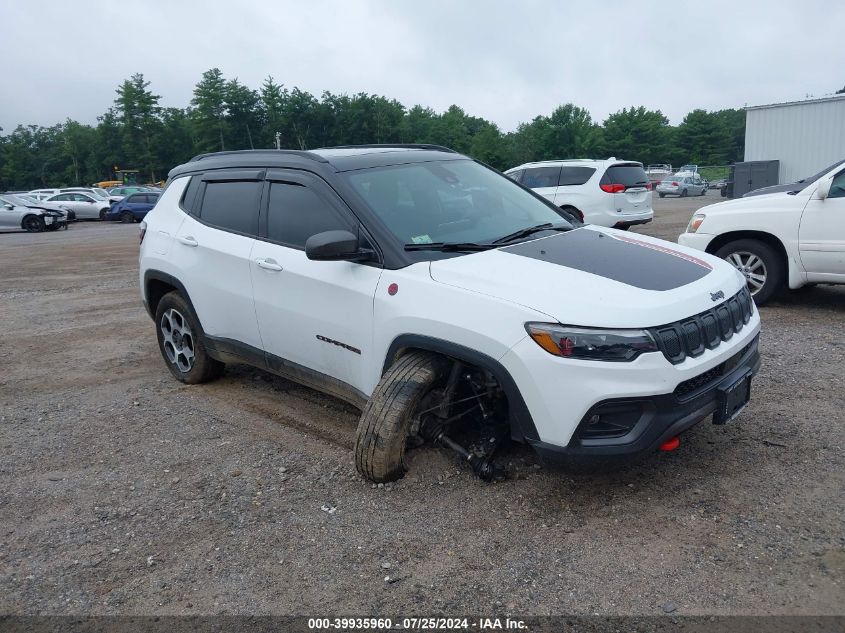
<point>133,207</point>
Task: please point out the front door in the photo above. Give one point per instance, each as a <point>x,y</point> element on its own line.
<point>822,234</point>
<point>315,315</point>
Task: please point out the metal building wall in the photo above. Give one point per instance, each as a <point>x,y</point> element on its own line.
<point>805,136</point>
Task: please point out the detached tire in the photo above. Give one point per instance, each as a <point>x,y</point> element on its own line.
<point>760,264</point>
<point>180,342</point>
<point>386,420</point>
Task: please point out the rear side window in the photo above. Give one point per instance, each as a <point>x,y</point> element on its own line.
<point>135,199</point>
<point>537,177</point>
<point>575,175</point>
<point>296,212</point>
<point>189,202</point>
<point>232,206</point>
<point>628,175</point>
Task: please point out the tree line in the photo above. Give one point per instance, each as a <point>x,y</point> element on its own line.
<point>136,132</point>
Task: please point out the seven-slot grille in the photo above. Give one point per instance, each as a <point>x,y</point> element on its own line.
<point>707,330</point>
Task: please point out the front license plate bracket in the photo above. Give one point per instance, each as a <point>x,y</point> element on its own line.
<point>731,399</point>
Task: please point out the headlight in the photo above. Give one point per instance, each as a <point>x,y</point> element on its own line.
<point>591,344</point>
<point>695,222</point>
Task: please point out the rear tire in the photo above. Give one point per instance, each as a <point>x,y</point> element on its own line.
<point>386,420</point>
<point>662,195</point>
<point>180,341</point>
<point>684,193</point>
<point>761,265</point>
<point>127,218</point>
<point>33,224</point>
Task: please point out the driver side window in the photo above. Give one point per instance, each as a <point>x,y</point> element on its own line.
<point>295,213</point>
<point>837,187</point>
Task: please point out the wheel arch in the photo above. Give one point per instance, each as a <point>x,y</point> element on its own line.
<point>157,284</point>
<point>795,276</point>
<point>31,215</point>
<point>521,422</point>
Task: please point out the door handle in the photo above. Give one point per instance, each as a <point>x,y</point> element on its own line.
<point>188,241</point>
<point>268,264</point>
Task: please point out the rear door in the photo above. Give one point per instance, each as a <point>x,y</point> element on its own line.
<point>315,315</point>
<point>822,234</point>
<point>634,196</point>
<point>543,180</point>
<point>212,250</point>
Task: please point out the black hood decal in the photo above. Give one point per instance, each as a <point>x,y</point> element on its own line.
<point>621,258</point>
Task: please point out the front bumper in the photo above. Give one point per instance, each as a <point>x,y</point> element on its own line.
<point>560,394</point>
<point>658,418</point>
<point>698,241</point>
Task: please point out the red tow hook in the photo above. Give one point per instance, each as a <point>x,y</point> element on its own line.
<point>671,444</point>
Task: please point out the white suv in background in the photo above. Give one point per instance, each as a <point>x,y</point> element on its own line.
<point>792,237</point>
<point>614,193</point>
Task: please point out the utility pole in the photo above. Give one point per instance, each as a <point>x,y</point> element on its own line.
<point>278,140</point>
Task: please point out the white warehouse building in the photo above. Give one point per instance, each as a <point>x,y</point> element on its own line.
<point>805,136</point>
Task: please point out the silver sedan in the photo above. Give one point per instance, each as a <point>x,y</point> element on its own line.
<point>682,186</point>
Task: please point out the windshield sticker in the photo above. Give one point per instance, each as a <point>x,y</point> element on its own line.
<point>421,239</point>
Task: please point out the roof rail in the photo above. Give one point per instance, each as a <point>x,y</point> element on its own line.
<point>439,148</point>
<point>276,152</point>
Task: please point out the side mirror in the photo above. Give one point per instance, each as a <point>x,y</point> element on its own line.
<point>8,206</point>
<point>824,189</point>
<point>335,246</point>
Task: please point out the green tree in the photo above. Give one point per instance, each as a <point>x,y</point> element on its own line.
<point>138,111</point>
<point>243,115</point>
<point>637,134</point>
<point>208,112</point>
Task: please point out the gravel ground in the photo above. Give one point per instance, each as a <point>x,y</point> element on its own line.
<point>125,492</point>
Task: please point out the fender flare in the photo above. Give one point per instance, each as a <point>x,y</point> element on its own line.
<point>170,280</point>
<point>522,424</point>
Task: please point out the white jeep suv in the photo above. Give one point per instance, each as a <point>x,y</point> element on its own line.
<point>608,192</point>
<point>792,237</point>
<point>445,301</point>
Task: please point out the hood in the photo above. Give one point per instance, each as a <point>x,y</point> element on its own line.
<point>596,277</point>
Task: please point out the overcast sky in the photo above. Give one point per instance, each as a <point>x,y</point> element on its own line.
<point>507,61</point>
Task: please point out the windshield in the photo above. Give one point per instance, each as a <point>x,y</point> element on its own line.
<point>811,179</point>
<point>450,201</point>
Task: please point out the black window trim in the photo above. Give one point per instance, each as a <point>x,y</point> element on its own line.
<point>190,209</point>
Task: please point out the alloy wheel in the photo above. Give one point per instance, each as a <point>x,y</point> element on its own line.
<point>178,340</point>
<point>752,268</point>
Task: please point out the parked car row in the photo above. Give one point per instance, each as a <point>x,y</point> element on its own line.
<point>128,203</point>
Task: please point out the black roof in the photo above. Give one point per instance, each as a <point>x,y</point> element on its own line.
<point>336,159</point>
